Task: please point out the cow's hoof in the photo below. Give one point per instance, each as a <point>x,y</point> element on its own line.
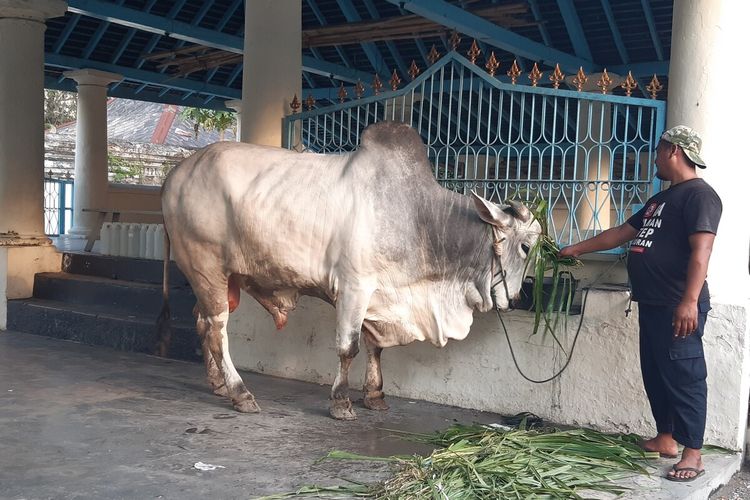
<point>246,405</point>
<point>378,404</point>
<point>341,409</point>
<point>221,391</point>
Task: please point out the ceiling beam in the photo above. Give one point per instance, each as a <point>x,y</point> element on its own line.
<point>143,76</point>
<point>331,70</point>
<point>125,92</point>
<point>615,32</point>
<point>652,29</point>
<point>617,36</point>
<point>159,25</point>
<point>371,50</point>
<point>641,70</point>
<point>115,14</point>
<point>442,12</point>
<point>575,30</point>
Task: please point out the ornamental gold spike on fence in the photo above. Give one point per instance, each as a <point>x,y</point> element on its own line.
<point>535,75</point>
<point>580,79</point>
<point>395,81</point>
<point>514,72</point>
<point>359,89</point>
<point>492,64</point>
<point>604,82</point>
<point>434,55</point>
<point>413,69</point>
<point>295,104</point>
<point>629,84</point>
<point>654,87</point>
<point>454,40</point>
<point>342,93</point>
<point>309,102</point>
<point>473,52</point>
<point>377,85</point>
<point>557,76</point>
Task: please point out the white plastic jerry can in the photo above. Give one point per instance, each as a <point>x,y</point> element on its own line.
<point>159,242</point>
<point>114,239</point>
<point>142,241</point>
<point>124,228</point>
<point>150,241</point>
<point>134,239</point>
<point>104,236</point>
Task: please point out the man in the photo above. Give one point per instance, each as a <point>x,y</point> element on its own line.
<point>672,237</point>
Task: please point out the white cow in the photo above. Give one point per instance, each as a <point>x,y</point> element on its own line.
<point>370,232</point>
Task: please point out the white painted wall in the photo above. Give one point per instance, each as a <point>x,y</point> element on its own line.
<point>601,389</point>
<point>18,265</point>
<point>131,197</point>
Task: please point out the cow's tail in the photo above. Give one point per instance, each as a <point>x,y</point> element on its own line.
<point>164,321</point>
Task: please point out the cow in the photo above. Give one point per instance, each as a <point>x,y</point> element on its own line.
<point>371,232</point>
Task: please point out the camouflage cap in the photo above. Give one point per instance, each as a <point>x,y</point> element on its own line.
<point>689,140</point>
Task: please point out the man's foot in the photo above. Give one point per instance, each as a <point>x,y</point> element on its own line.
<point>689,468</point>
<point>663,443</point>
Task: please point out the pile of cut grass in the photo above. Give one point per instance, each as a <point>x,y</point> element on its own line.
<point>487,462</point>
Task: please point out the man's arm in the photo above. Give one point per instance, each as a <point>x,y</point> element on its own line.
<point>611,238</point>
<point>685,319</point>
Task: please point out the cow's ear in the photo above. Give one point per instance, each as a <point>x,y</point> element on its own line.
<point>491,213</point>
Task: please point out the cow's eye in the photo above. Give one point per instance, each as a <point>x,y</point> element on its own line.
<point>525,248</point>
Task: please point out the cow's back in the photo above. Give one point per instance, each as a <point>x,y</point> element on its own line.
<point>264,212</point>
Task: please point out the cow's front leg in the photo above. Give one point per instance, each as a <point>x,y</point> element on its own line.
<point>373,389</point>
<point>341,405</point>
<point>350,313</point>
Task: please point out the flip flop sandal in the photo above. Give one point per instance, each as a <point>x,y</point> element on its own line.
<point>698,473</point>
<point>662,455</point>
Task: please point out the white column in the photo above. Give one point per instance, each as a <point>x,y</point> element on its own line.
<point>272,72</point>
<point>236,106</point>
<point>22,116</point>
<point>705,93</point>
<point>90,184</point>
<point>24,250</point>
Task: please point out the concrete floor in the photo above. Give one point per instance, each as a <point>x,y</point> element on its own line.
<point>89,422</point>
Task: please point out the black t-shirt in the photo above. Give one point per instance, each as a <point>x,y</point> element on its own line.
<point>659,254</point>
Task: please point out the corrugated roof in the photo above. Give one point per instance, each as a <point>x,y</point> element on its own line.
<point>136,121</point>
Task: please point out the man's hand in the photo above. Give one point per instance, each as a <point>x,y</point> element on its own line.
<point>685,319</point>
<point>569,251</point>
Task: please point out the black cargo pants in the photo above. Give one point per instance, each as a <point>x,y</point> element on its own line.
<point>674,373</point>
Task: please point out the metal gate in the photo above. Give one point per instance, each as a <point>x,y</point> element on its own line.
<point>590,155</point>
<point>58,205</point>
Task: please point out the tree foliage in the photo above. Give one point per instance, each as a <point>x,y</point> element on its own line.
<point>59,107</point>
<point>209,119</point>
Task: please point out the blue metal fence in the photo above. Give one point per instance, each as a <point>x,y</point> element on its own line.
<point>589,155</point>
<point>58,206</point>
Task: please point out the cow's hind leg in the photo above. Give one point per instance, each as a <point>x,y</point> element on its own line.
<point>218,344</point>
<point>215,379</point>
<point>213,308</point>
<point>373,389</point>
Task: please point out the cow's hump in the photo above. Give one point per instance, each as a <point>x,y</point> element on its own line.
<point>398,148</point>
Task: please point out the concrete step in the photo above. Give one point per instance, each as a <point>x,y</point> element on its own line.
<point>99,325</point>
<point>120,268</point>
<point>143,300</point>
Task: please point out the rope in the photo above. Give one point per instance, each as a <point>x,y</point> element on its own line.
<point>578,330</point>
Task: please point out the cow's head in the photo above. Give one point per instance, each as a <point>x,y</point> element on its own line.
<point>515,231</point>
